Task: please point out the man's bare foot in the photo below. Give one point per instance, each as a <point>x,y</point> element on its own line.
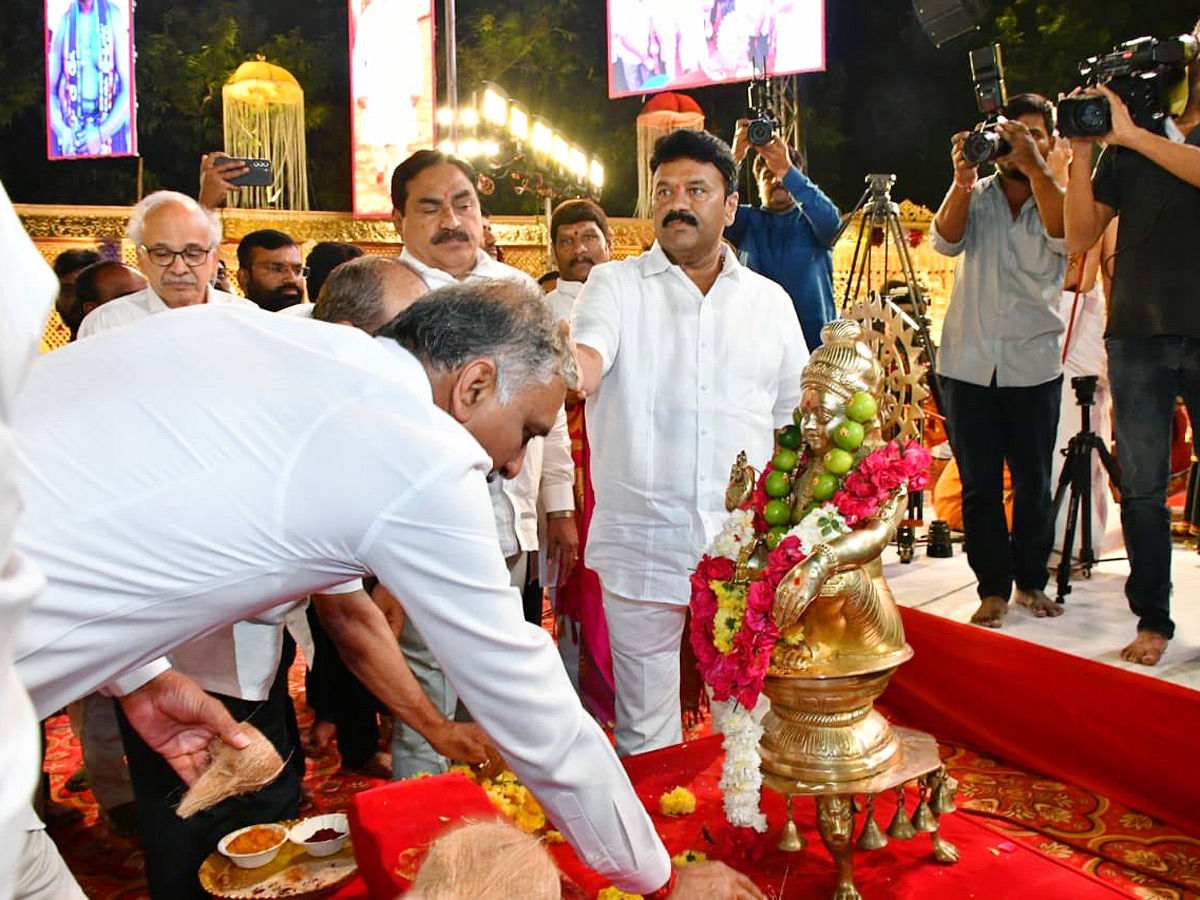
<point>1038,603</point>
<point>991,612</point>
<point>1147,648</point>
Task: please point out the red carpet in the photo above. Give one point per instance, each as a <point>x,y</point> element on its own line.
<point>1107,730</point>
<point>1080,828</point>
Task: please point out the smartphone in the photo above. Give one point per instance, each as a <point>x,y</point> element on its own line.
<point>260,174</point>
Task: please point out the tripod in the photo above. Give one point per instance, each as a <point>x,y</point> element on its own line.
<point>1077,477</point>
<point>878,211</point>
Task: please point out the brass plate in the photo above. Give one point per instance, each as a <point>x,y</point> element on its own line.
<point>293,874</point>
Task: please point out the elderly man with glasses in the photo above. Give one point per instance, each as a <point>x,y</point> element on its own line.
<point>177,252</point>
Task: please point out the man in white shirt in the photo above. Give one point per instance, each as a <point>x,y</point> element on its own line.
<point>241,663</point>
<point>581,240</point>
<point>177,252</point>
<point>686,358</point>
<point>204,503</point>
<point>271,272</point>
<point>436,211</point>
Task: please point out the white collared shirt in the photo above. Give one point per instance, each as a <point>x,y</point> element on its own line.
<point>239,660</point>
<point>485,267</point>
<point>275,457</point>
<point>135,307</point>
<point>689,380</point>
<point>562,298</point>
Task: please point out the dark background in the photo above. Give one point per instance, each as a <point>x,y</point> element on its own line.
<point>888,101</point>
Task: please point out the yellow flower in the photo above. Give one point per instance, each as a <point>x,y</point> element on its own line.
<point>677,802</point>
<point>514,800</point>
<point>689,857</point>
<point>554,837</point>
<point>612,893</point>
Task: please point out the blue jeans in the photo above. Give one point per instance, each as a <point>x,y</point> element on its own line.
<point>1146,376</point>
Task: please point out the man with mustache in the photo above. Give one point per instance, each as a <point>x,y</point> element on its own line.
<point>686,357</point>
<point>789,239</point>
<point>270,271</point>
<point>436,211</point>
<point>999,364</point>
<point>176,242</point>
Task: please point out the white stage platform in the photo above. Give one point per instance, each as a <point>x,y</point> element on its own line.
<point>1096,622</point>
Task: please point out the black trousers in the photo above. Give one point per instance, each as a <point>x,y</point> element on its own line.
<point>174,848</point>
<point>989,426</point>
<point>337,696</point>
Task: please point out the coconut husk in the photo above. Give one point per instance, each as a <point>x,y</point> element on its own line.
<point>487,861</point>
<point>231,772</point>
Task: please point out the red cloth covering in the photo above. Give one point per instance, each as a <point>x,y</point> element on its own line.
<point>579,598</point>
<point>387,819</point>
<point>1114,732</point>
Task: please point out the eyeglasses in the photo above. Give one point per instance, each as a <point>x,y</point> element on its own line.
<point>165,256</point>
<point>283,269</point>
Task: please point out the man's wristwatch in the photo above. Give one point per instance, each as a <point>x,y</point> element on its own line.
<point>665,891</point>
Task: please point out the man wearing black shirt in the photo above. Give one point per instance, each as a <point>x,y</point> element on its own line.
<point>1153,337</point>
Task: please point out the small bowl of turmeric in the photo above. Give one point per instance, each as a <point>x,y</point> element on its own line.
<point>254,845</point>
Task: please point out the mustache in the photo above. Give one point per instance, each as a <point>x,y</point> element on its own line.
<point>582,259</point>
<point>450,234</point>
<point>179,279</point>
<point>680,215</point>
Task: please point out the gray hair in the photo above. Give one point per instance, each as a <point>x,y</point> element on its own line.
<point>505,321</point>
<point>137,219</point>
<point>354,293</point>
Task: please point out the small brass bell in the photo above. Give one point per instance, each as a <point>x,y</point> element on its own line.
<point>791,841</point>
<point>943,796</point>
<point>923,819</point>
<point>872,837</point>
<point>901,826</point>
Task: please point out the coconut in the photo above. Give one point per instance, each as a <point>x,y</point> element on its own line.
<point>231,772</point>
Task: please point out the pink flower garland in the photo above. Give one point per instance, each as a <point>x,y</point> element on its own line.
<point>740,673</point>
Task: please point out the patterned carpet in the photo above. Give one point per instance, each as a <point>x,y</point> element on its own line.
<point>1123,847</point>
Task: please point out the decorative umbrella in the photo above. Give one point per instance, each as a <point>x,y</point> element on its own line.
<point>662,115</point>
<point>264,119</point>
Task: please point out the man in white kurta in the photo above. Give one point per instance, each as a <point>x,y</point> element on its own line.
<point>687,358</point>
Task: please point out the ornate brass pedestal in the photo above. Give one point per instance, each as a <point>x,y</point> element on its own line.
<point>824,739</point>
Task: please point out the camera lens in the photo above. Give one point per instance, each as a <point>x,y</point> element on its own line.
<point>1084,117</point>
<point>760,131</point>
<point>980,146</point>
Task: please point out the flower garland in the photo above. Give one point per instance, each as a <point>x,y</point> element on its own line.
<point>733,629</point>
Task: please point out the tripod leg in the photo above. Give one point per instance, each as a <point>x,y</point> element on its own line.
<point>1087,552</point>
<point>1063,580</point>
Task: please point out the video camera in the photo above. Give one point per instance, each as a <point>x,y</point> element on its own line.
<point>987,73</point>
<point>1141,72</point>
<point>763,123</point>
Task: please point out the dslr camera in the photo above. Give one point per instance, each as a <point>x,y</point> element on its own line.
<point>763,124</point>
<point>1141,72</point>
<point>987,73</point>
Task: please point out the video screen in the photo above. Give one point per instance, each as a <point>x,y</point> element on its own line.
<point>90,105</point>
<point>391,93</point>
<point>692,43</point>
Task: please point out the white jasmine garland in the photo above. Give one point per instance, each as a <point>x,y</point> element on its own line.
<point>822,524</point>
<point>741,775</point>
<point>736,533</point>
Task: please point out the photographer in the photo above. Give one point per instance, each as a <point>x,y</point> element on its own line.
<point>789,239</point>
<point>998,365</point>
<point>1153,333</point>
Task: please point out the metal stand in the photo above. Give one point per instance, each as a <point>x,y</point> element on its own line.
<point>1076,477</point>
<point>878,211</point>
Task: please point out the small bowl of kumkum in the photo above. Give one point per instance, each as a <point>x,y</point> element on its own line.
<point>321,835</point>
<point>254,845</point>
